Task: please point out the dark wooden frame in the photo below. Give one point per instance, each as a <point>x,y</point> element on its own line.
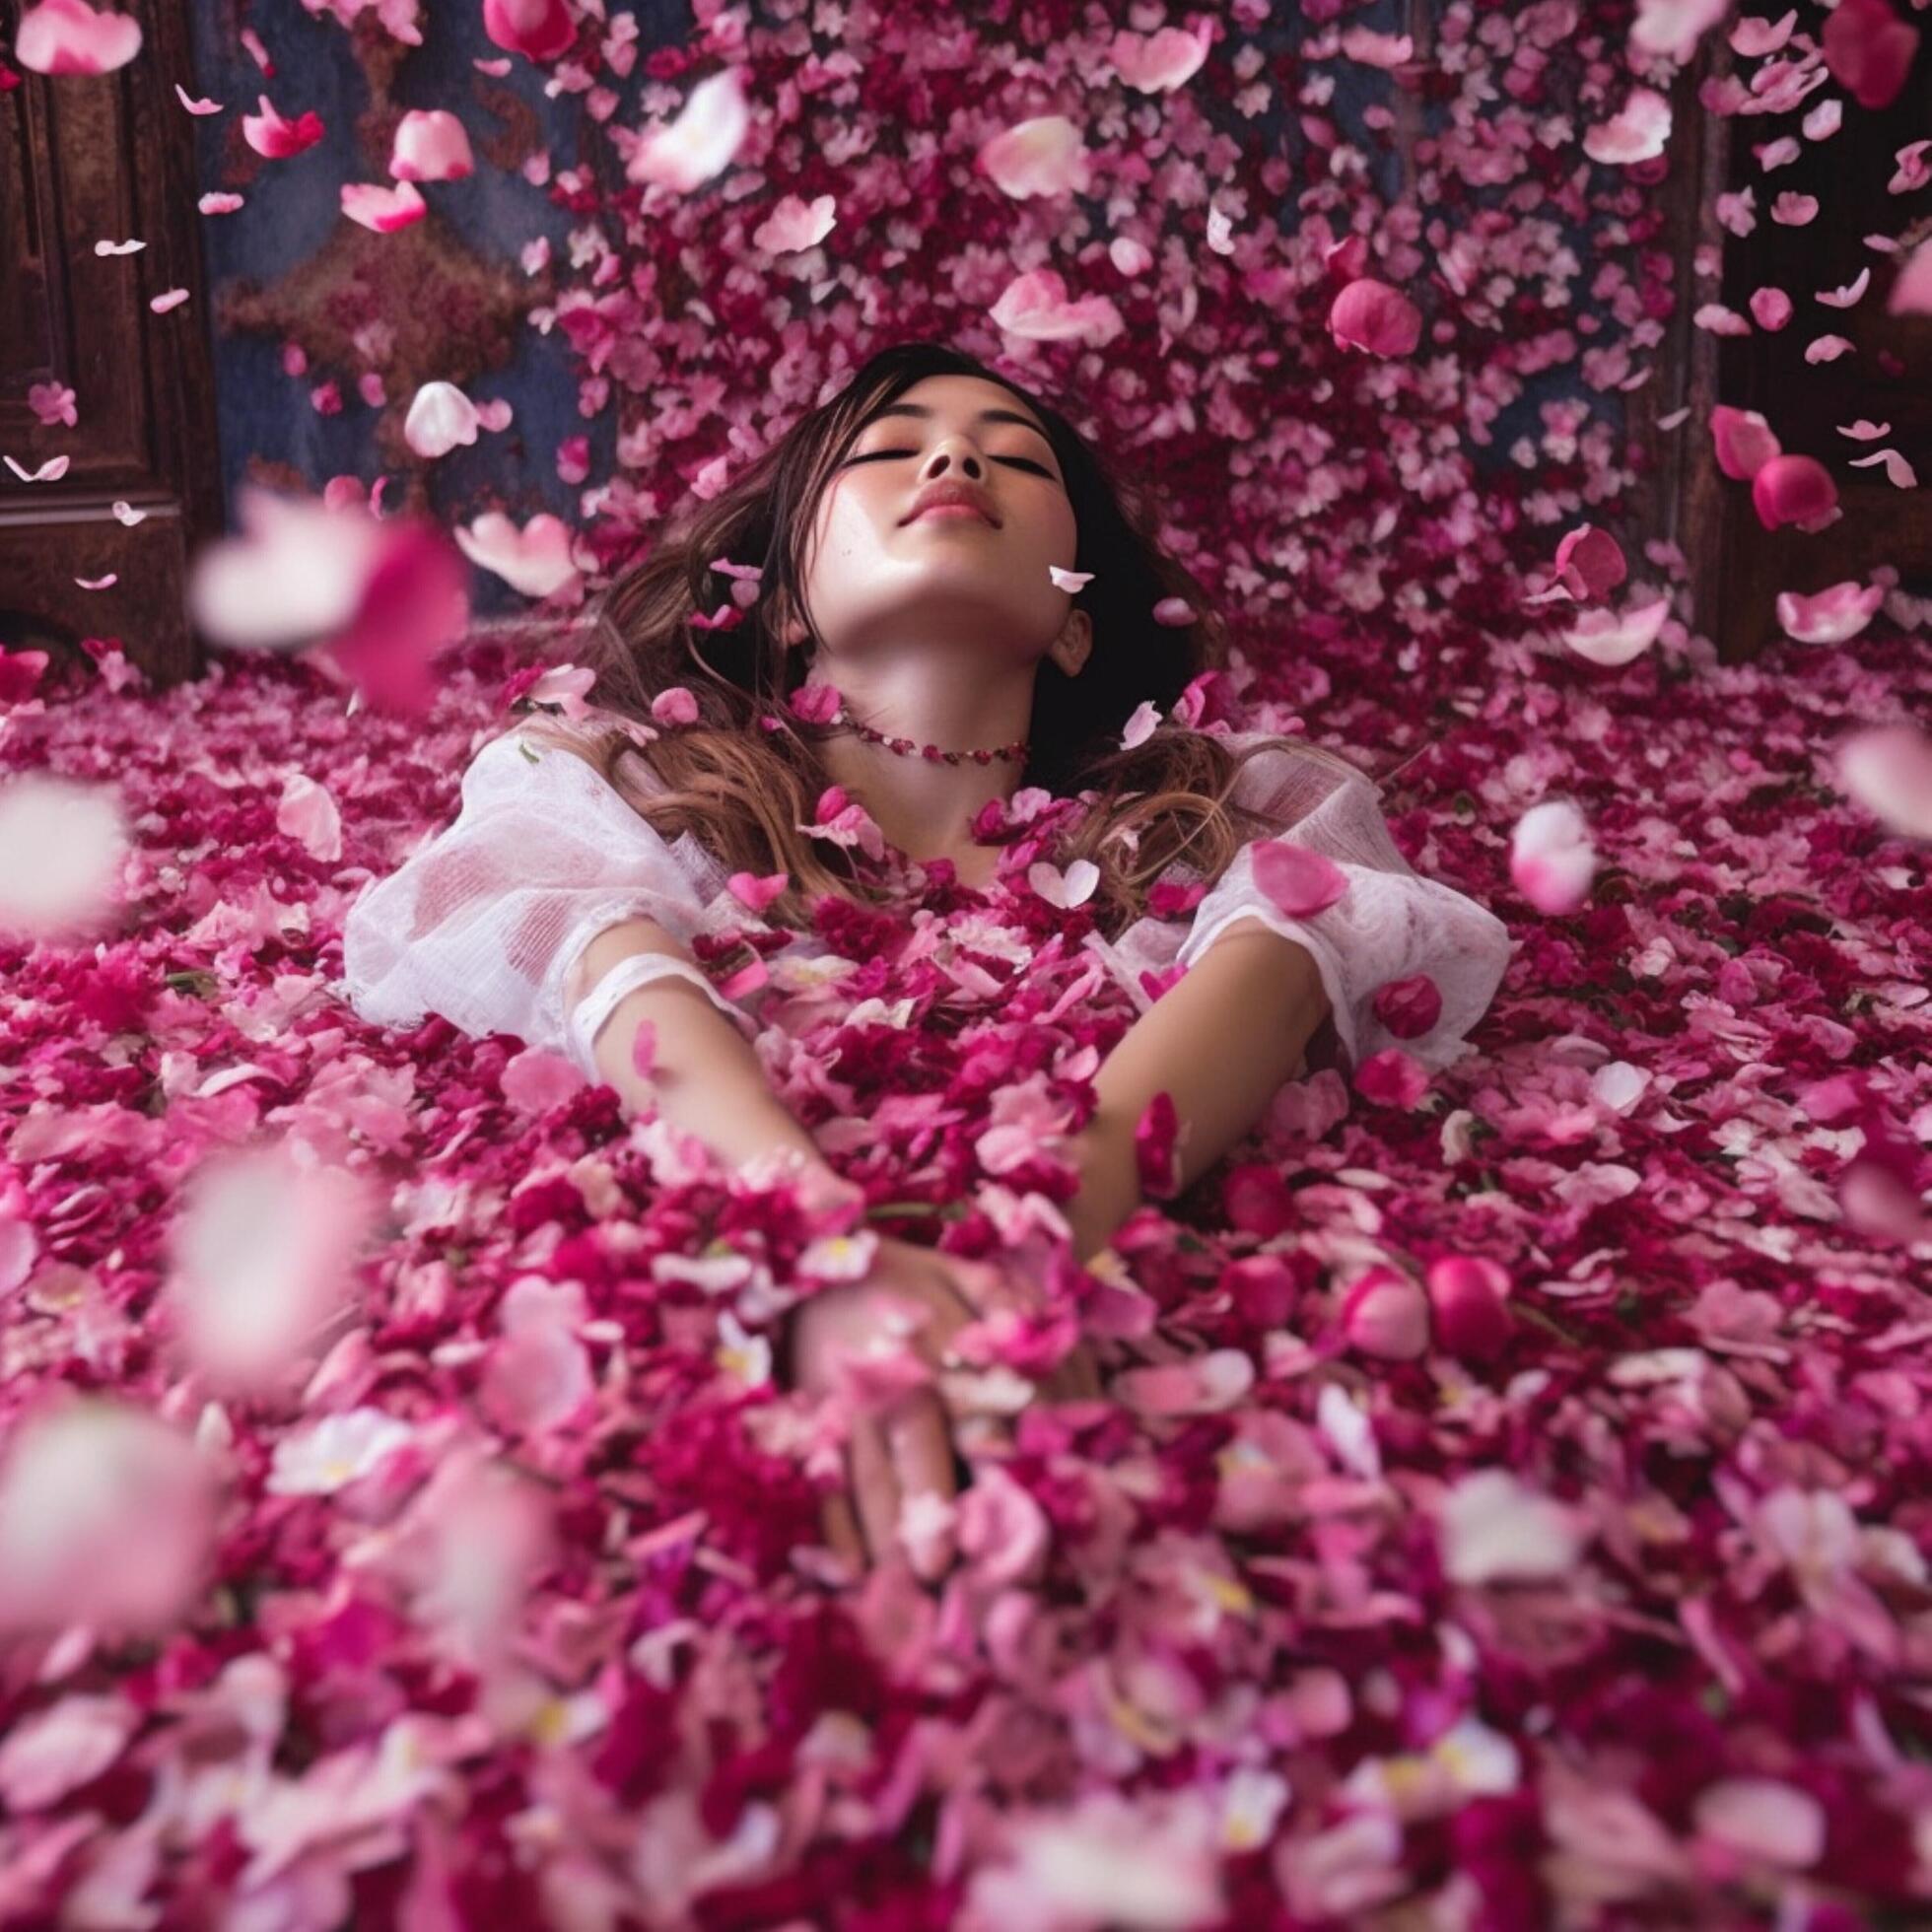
<point>88,158</point>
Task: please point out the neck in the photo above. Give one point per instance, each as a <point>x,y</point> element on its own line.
<point>926,807</point>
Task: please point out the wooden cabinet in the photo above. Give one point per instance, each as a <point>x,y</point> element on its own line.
<point>84,159</point>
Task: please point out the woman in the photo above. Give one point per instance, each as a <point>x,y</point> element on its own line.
<point>918,649</point>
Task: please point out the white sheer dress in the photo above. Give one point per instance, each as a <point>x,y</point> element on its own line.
<point>483,923</point>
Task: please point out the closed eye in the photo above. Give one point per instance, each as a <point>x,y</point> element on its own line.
<point>879,455</point>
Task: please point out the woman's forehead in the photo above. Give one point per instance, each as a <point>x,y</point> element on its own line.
<point>963,393</point>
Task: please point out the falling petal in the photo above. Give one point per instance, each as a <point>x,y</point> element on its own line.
<point>1036,305</point>
<point>259,1262</point>
<point>1672,29</point>
<point>218,203</point>
<point>1911,289</point>
<point>118,248</point>
<point>383,209</point>
<point>1869,51</point>
<point>538,29</point>
<point>63,847</point>
<point>1043,156</point>
<point>440,419</point>
<point>1369,314</point>
<point>1793,490</point>
<point>1834,616</point>
<point>535,559</point>
<point>701,143</point>
<point>1496,1528</point>
<point>98,583</point>
<point>67,36</point>
<point>1551,857</point>
<point>1073,887</point>
<point>1613,638</point>
<point>1849,293</point>
<point>125,513</point>
<point>202,107</point>
<point>170,298</point>
<point>50,471</point>
<point>1889,770</point>
<point>277,139</point>
<point>1826,348</point>
<point>1069,579</point>
<point>430,146</point>
<point>1898,471</point>
<point>796,225</point>
<point>1639,132</point>
<point>1160,62</point>
<point>1744,441</point>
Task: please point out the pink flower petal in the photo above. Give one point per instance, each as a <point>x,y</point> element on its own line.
<point>1889,770</point>
<point>383,209</point>
<point>203,105</point>
<point>1639,132</point>
<point>67,36</point>
<point>701,143</point>
<point>537,560</point>
<point>538,29</point>
<point>1794,490</point>
<point>1551,857</point>
<point>1833,616</point>
<point>1037,307</point>
<point>1496,1528</point>
<point>170,298</point>
<point>1160,62</point>
<point>1898,471</point>
<point>1613,638</point>
<point>1296,877</point>
<point>1744,441</point>
<point>1386,1314</point>
<point>1041,156</point>
<point>277,139</point>
<point>1370,316</point>
<point>1869,51</point>
<point>1764,1819</point>
<point>1204,1386</point>
<point>430,146</point>
<point>1911,288</point>
<point>796,225</point>
<point>440,419</point>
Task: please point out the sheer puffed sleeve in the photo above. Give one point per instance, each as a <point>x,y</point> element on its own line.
<point>1389,924</point>
<point>483,924</point>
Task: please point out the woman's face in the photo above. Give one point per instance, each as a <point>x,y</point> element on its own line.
<point>876,580</point>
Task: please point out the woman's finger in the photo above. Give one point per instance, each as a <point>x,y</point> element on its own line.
<point>920,1445</point>
<point>841,1535</point>
<point>874,1484</point>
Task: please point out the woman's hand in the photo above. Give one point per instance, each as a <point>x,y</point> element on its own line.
<point>905,1448</point>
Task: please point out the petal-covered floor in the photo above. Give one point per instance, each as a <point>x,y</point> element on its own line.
<point>1610,1607</point>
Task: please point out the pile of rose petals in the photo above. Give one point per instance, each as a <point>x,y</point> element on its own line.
<point>1511,1500</point>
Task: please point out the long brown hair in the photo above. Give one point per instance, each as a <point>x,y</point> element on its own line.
<point>742,788</point>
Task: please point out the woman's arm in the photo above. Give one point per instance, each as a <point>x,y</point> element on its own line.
<point>706,1080</point>
<point>1222,1042</point>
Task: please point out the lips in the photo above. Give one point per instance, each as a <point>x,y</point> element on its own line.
<point>936,495</point>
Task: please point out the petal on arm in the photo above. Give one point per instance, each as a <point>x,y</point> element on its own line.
<point>483,924</point>
<point>1389,924</point>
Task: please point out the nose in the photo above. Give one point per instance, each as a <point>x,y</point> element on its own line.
<point>944,456</point>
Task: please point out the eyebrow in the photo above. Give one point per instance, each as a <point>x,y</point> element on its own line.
<point>985,416</point>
